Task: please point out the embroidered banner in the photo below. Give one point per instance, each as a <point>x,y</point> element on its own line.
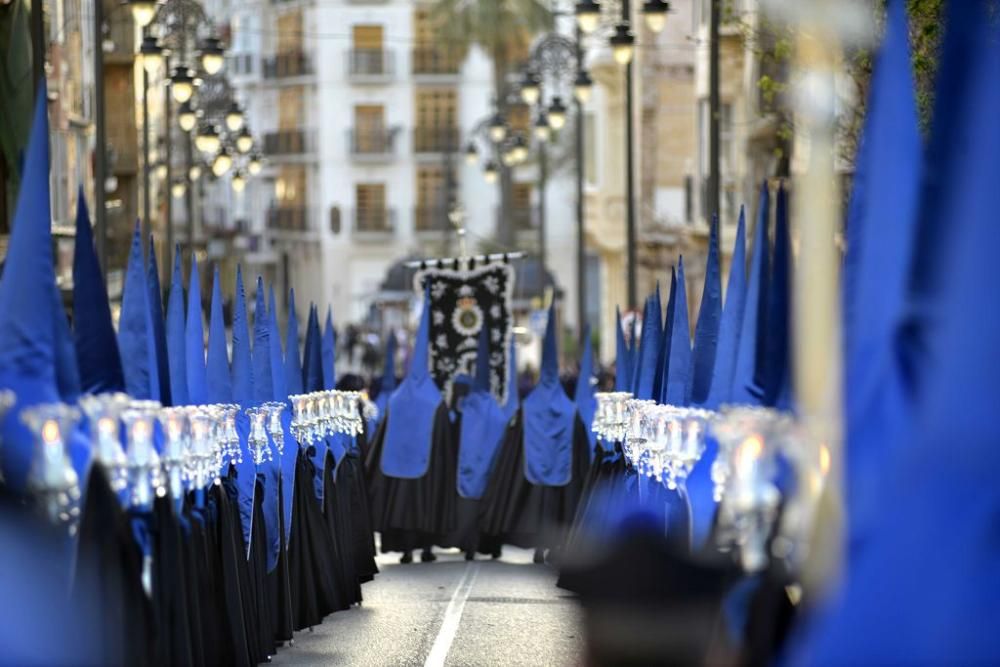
<point>462,303</point>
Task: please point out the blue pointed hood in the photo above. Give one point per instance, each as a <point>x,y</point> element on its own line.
<point>586,404</point>
<point>774,362</point>
<point>482,428</point>
<point>881,238</point>
<point>677,389</point>
<point>745,388</point>
<point>412,411</point>
<point>731,322</point>
<point>263,382</point>
<point>242,366</point>
<point>28,355</point>
<point>663,355</point>
<point>278,381</point>
<point>329,352</point>
<point>194,340</point>
<point>314,339</point>
<point>706,330</point>
<point>293,362</point>
<point>217,374</point>
<point>924,588</point>
<point>623,361</point>
<point>644,378</point>
<point>549,420</point>
<point>135,329</point>
<point>67,370</point>
<point>175,335</point>
<point>97,355</point>
<point>159,330</point>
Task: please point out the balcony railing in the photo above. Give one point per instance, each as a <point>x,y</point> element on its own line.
<point>378,221</point>
<point>369,64</point>
<point>430,218</point>
<point>373,143</point>
<point>434,60</point>
<point>435,139</point>
<point>285,65</point>
<point>288,142</point>
<point>288,218</point>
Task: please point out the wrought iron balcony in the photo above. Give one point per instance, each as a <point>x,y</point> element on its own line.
<point>370,65</point>
<point>435,139</point>
<point>287,65</point>
<point>436,61</point>
<point>378,222</point>
<point>373,144</point>
<point>288,142</point>
<point>288,218</point>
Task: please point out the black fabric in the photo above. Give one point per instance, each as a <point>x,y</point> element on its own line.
<point>109,578</point>
<point>414,513</point>
<point>363,538</point>
<point>263,603</point>
<point>461,305</point>
<point>336,504</point>
<point>518,512</point>
<point>279,581</point>
<point>313,588</point>
<point>173,639</point>
<point>236,647</point>
<point>467,535</point>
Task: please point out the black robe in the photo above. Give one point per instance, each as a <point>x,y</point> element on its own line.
<point>313,588</point>
<point>174,645</point>
<point>238,644</point>
<point>108,579</point>
<point>336,506</point>
<point>361,518</point>
<point>415,513</point>
<point>279,579</point>
<point>517,512</point>
<point>467,534</point>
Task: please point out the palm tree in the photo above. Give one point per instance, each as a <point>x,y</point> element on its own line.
<point>503,29</point>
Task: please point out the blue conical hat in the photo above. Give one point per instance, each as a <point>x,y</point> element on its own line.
<point>97,355</point>
<point>194,343</point>
<point>677,389</point>
<point>706,330</point>
<point>176,354</point>
<point>731,322</point>
<point>218,375</point>
<point>136,340</point>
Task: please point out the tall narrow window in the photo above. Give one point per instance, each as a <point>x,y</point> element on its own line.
<point>369,128</point>
<point>432,205</point>
<point>437,120</point>
<point>368,56</point>
<point>370,208</point>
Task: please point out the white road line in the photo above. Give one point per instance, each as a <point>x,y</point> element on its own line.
<point>452,617</point>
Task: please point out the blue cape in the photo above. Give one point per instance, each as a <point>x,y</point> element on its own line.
<point>406,452</point>
<point>482,428</point>
<point>549,420</point>
<point>242,373</point>
<point>264,392</point>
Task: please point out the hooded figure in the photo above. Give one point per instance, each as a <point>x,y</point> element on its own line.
<point>412,460</point>
<point>194,342</point>
<point>94,337</point>
<point>264,393</point>
<point>532,495</point>
<point>136,339</point>
<point>176,355</point>
<point>388,384</point>
<point>481,427</point>
<point>159,330</point>
<point>106,555</point>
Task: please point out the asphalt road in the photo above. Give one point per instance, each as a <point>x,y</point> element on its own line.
<point>450,612</point>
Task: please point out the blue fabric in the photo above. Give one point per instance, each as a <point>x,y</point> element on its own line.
<point>242,374</point>
<point>293,362</point>
<point>97,357</point>
<point>731,323</point>
<point>388,375</point>
<point>586,404</point>
<point>924,589</point>
<point>67,372</point>
<point>175,335</point>
<point>775,368</point>
<point>194,343</point>
<point>881,231</point>
<point>217,373</point>
<point>549,419</point>
<point>135,329</point>
<point>27,332</point>
<point>701,489</point>
<point>677,389</point>
<point>412,408</point>
<point>329,353</point>
<point>745,389</point>
<point>645,371</point>
<point>159,331</point>
<point>482,429</point>
<point>706,330</point>
<point>263,386</point>
<point>623,360</point>
<point>279,381</point>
